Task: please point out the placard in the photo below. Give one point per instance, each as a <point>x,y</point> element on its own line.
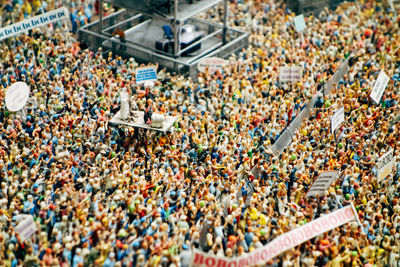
<point>280,244</point>
<point>26,228</point>
<point>146,74</point>
<point>37,21</point>
<point>385,165</point>
<point>337,119</point>
<point>212,63</point>
<point>379,87</point>
<point>299,23</point>
<point>16,97</point>
<point>322,183</point>
<point>290,73</point>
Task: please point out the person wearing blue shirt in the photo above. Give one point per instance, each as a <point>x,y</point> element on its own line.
<point>77,258</point>
<point>110,261</point>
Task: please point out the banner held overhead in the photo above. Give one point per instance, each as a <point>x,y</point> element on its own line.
<point>37,21</point>
<point>280,244</point>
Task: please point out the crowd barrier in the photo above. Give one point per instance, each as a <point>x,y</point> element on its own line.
<point>287,135</point>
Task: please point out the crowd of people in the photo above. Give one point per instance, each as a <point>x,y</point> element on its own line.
<point>105,195</point>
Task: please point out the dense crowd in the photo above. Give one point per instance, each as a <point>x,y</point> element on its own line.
<point>103,195</point>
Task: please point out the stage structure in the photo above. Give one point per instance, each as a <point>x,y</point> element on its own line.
<point>166,32</point>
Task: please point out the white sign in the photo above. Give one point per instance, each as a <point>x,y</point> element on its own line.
<point>17,95</point>
<point>37,21</point>
<point>280,244</point>
<point>299,23</point>
<point>322,183</point>
<point>26,228</point>
<point>385,165</point>
<point>337,119</point>
<point>379,87</point>
<point>290,73</point>
<point>212,63</point>
<point>146,74</point>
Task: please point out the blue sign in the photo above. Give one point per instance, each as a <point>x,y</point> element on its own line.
<point>146,74</point>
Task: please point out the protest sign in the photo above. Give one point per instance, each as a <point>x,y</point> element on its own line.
<point>212,63</point>
<point>37,21</point>
<point>146,74</point>
<point>299,23</point>
<point>280,244</point>
<point>322,183</point>
<point>16,97</point>
<point>385,165</point>
<point>26,228</point>
<point>290,73</point>
<point>379,87</point>
<point>337,119</point>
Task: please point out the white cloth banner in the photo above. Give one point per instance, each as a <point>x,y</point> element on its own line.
<point>337,119</point>
<point>385,165</point>
<point>280,244</point>
<point>26,228</point>
<point>379,87</point>
<point>290,73</point>
<point>322,183</point>
<point>37,21</point>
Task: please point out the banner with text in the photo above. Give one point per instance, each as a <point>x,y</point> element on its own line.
<point>280,244</point>
<point>337,119</point>
<point>323,181</point>
<point>290,73</point>
<point>26,228</point>
<point>37,21</point>
<point>385,165</point>
<point>146,74</point>
<point>379,87</point>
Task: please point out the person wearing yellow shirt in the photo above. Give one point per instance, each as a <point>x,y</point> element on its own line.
<point>26,9</point>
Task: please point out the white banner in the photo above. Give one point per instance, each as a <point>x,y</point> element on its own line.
<point>212,63</point>
<point>322,183</point>
<point>290,73</point>
<point>299,23</point>
<point>385,165</point>
<point>379,87</point>
<point>146,74</point>
<point>37,21</point>
<point>26,228</point>
<point>337,119</point>
<point>280,244</point>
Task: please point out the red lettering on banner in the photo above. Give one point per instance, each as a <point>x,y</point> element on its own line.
<point>280,244</point>
<point>221,263</point>
<point>325,222</point>
<point>256,257</point>
<point>242,262</point>
<point>308,233</point>
<point>286,241</point>
<point>333,219</point>
<point>349,213</point>
<point>250,260</point>
<point>232,264</point>
<point>316,227</point>
<point>300,235</point>
<point>274,249</point>
<point>264,254</point>
<point>294,238</point>
<point>210,261</point>
<point>198,259</point>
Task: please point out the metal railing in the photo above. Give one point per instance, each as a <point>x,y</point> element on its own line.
<point>124,20</point>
